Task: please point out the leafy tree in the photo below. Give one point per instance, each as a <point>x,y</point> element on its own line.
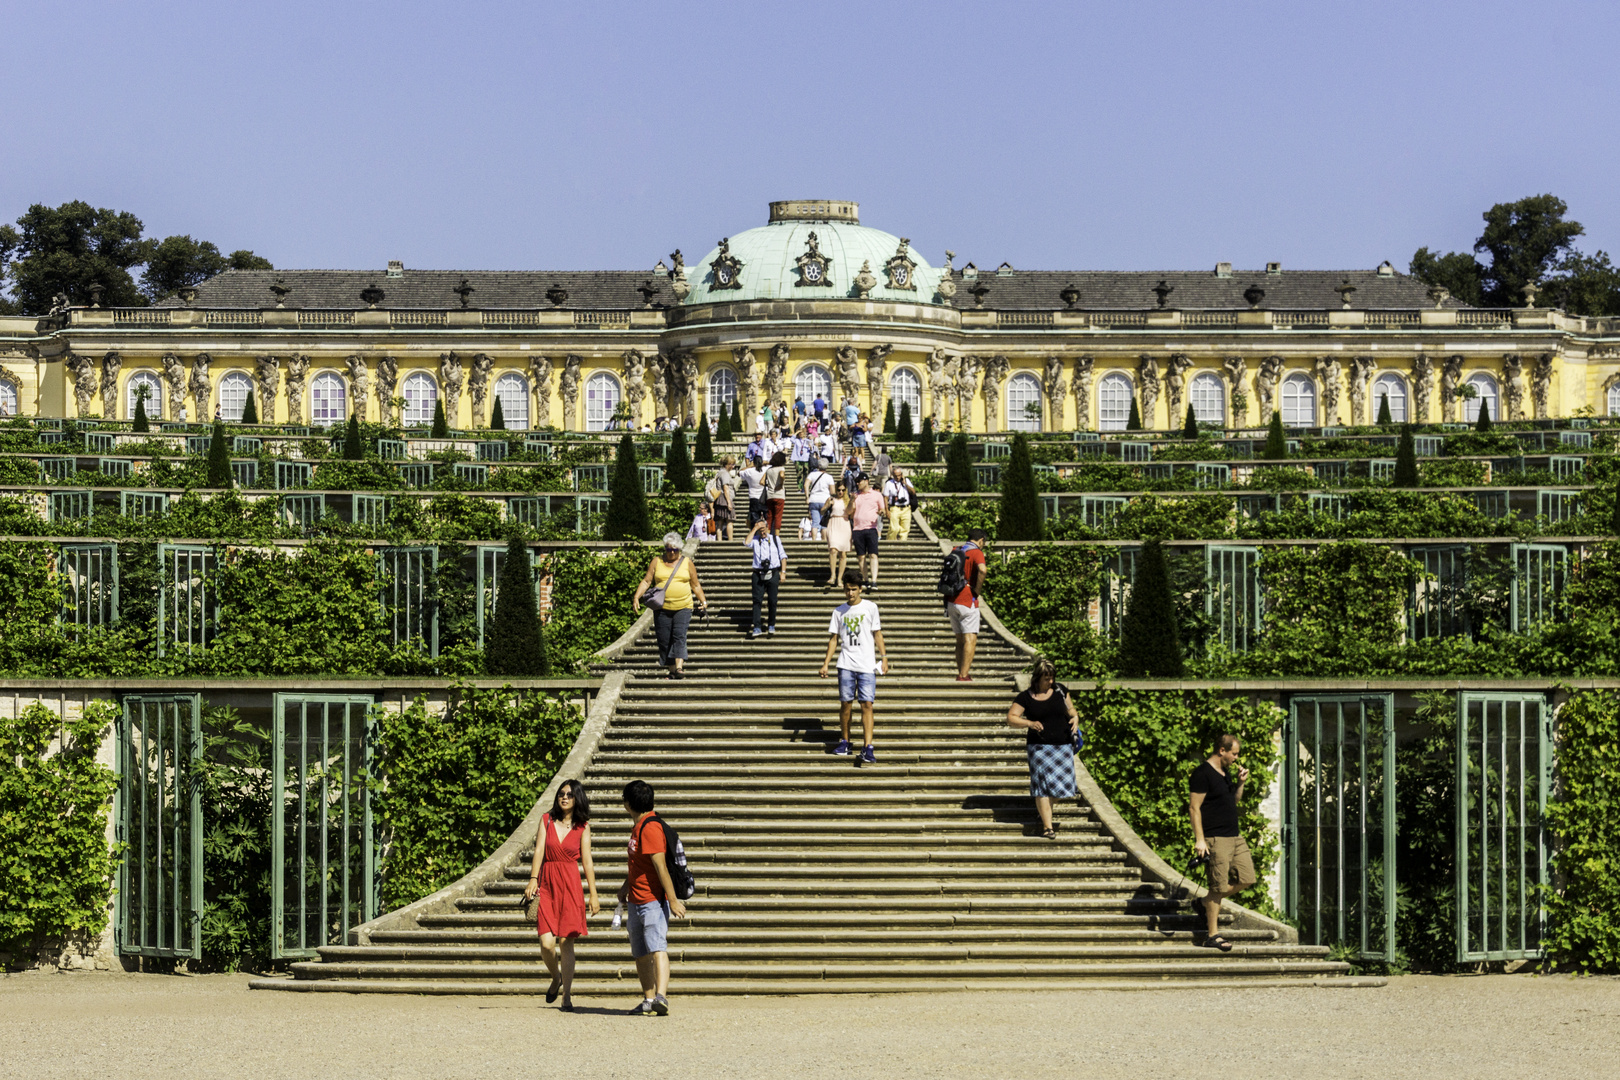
<point>1276,439</point>
<point>1406,470</point>
<point>723,430</point>
<point>627,517</point>
<point>1021,512</point>
<point>1149,640</point>
<point>219,459</point>
<point>678,465</point>
<point>178,261</point>
<point>1483,424</point>
<point>888,418</point>
<point>958,466</point>
<point>1524,240</point>
<point>702,448</point>
<point>1384,417</point>
<point>141,423</point>
<point>441,429</point>
<point>1134,423</point>
<point>926,454</point>
<point>497,418</point>
<point>902,426</point>
<point>1585,285</point>
<point>1189,430</point>
<point>1457,271</point>
<point>352,450</point>
<point>250,409</point>
<point>514,644</point>
<point>69,248</point>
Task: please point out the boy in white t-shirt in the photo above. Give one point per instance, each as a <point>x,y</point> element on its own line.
<point>855,635</point>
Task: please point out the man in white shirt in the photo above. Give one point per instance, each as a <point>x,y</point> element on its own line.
<point>855,635</point>
<point>900,497</point>
<point>827,445</point>
<point>769,560</point>
<point>754,477</point>
<point>818,487</point>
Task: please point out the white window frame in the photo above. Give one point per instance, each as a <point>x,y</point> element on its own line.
<point>1115,392</point>
<point>1298,393</point>
<point>812,379</point>
<point>1207,395</point>
<point>603,392</point>
<point>719,391</point>
<point>905,384</point>
<point>1614,399</point>
<point>1394,387</point>
<point>234,389</point>
<point>421,393</point>
<point>8,398</point>
<point>154,400</point>
<point>1022,389</point>
<point>1488,391</point>
<point>512,391</point>
<point>328,399</point>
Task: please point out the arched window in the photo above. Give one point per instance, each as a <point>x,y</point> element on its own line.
<point>1614,399</point>
<point>327,396</point>
<point>904,388</point>
<point>722,392</point>
<point>154,394</point>
<point>234,389</point>
<point>1298,401</point>
<point>421,394</point>
<point>1023,402</point>
<point>1392,387</point>
<point>512,391</point>
<point>8,399</point>
<point>813,381</point>
<point>1484,391</point>
<point>601,399</point>
<point>1113,402</point>
<point>1208,396</point>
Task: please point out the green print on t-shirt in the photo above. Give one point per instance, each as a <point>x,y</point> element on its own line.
<point>852,627</point>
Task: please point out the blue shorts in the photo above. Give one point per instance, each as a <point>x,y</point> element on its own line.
<point>857,685</point>
<point>816,512</point>
<point>649,928</point>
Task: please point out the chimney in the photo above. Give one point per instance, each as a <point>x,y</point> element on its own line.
<point>1223,269</point>
<point>1274,268</point>
<point>396,268</point>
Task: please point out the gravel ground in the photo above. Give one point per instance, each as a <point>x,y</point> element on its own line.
<point>132,1026</point>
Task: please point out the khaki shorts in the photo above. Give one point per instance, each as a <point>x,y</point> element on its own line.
<point>964,619</point>
<point>1226,854</point>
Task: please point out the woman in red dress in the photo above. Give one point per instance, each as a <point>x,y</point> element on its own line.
<point>563,842</point>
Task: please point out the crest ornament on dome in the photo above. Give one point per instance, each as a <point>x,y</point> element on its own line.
<point>726,270</point>
<point>814,267</point>
<point>902,268</point>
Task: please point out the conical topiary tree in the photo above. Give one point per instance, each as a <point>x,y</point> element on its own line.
<point>1483,424</point>
<point>702,447</point>
<point>1189,430</point>
<point>497,419</point>
<point>250,409</point>
<point>1276,440</point>
<point>219,459</point>
<point>627,517</point>
<point>737,428</point>
<point>1149,639</point>
<point>1021,512</point>
<point>141,423</point>
<point>1134,423</point>
<point>352,450</point>
<point>1406,470</point>
<point>902,426</point>
<point>888,418</point>
<point>958,466</point>
<point>678,466</point>
<point>1384,417</point>
<point>926,454</point>
<point>514,643</point>
<point>441,429</point>
<point>723,430</point>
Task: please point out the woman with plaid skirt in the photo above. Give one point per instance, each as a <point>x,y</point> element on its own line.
<point>1046,712</point>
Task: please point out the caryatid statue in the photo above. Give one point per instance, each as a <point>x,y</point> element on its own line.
<point>748,376</point>
<point>174,377</point>
<point>387,380</point>
<point>1541,383</point>
<point>1147,371</point>
<point>849,375</point>
<point>1361,372</point>
<point>1513,386</point>
<point>540,368</point>
<point>85,380</point>
<point>478,385</point>
<point>939,384</point>
<point>1237,374</point>
<point>1422,387</point>
<point>452,376</point>
<point>995,371</point>
<point>359,385</point>
<point>691,386</point>
<point>266,377</point>
<point>202,390</point>
<point>297,369</point>
<point>776,373</point>
<point>1265,385</point>
<point>1175,383</point>
<point>1084,367</point>
<point>1330,373</point>
<point>967,388</point>
<point>1451,369</point>
<point>568,388</point>
<point>658,381</point>
<point>877,363</point>
<point>1053,386</point>
<point>953,367</point>
<point>110,364</point>
<point>635,382</point>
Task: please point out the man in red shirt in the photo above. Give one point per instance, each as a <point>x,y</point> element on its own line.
<point>963,608</point>
<point>649,895</point>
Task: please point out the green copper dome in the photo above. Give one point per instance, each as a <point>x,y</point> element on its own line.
<point>777,262</point>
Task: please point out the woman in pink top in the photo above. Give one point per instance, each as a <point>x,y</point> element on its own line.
<point>865,511</point>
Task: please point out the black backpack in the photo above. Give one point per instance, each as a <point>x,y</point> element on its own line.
<point>953,573</point>
<point>675,861</point>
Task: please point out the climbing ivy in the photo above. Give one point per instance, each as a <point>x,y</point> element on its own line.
<point>1584,929</point>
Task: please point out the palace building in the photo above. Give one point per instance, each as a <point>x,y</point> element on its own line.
<point>813,302</point>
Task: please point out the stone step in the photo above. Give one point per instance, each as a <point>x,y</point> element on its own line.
<point>936,935</point>
<point>844,862</point>
<point>627,992</point>
<point>1126,898</point>
<point>612,945</point>
<point>744,917</point>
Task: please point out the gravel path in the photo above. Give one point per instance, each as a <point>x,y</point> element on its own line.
<point>133,1026</point>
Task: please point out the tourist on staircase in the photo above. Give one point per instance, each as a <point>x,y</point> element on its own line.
<point>855,635</point>
<point>900,497</point>
<point>967,568</point>
<point>852,473</point>
<point>1213,806</point>
<point>866,510</point>
<point>722,489</point>
<point>554,880</point>
<point>818,487</point>
<point>1047,713</point>
<point>801,455</point>
<point>839,538</point>
<point>882,463</point>
<point>754,478</point>
<point>649,896</point>
<point>769,560</point>
<point>674,582</point>
<point>776,491</point>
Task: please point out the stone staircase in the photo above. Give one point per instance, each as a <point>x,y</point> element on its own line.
<point>923,872</point>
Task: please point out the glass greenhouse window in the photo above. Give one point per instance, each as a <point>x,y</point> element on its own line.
<point>1208,398</point>
<point>512,391</point>
<point>1023,403</point>
<point>1113,402</point>
<point>421,394</point>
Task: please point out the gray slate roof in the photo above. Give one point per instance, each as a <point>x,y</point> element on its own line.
<point>616,289</point>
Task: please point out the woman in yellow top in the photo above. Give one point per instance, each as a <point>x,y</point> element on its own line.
<point>680,580</point>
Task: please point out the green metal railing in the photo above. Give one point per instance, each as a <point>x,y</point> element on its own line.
<point>1232,596</point>
<point>189,605</point>
<point>407,589</point>
<point>324,881</point>
<point>160,872</point>
<point>88,574</point>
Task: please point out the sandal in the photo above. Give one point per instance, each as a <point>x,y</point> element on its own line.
<point>1050,834</point>
<point>1217,942</point>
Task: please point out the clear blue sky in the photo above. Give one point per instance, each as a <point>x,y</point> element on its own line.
<point>599,135</point>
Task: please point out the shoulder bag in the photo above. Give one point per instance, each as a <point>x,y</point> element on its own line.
<point>655,599</point>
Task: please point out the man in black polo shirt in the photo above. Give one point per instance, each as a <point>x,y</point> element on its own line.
<point>1214,811</point>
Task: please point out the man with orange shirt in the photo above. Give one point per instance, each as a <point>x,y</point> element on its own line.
<point>963,608</point>
<point>649,894</point>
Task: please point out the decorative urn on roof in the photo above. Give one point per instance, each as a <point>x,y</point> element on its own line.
<point>865,281</point>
